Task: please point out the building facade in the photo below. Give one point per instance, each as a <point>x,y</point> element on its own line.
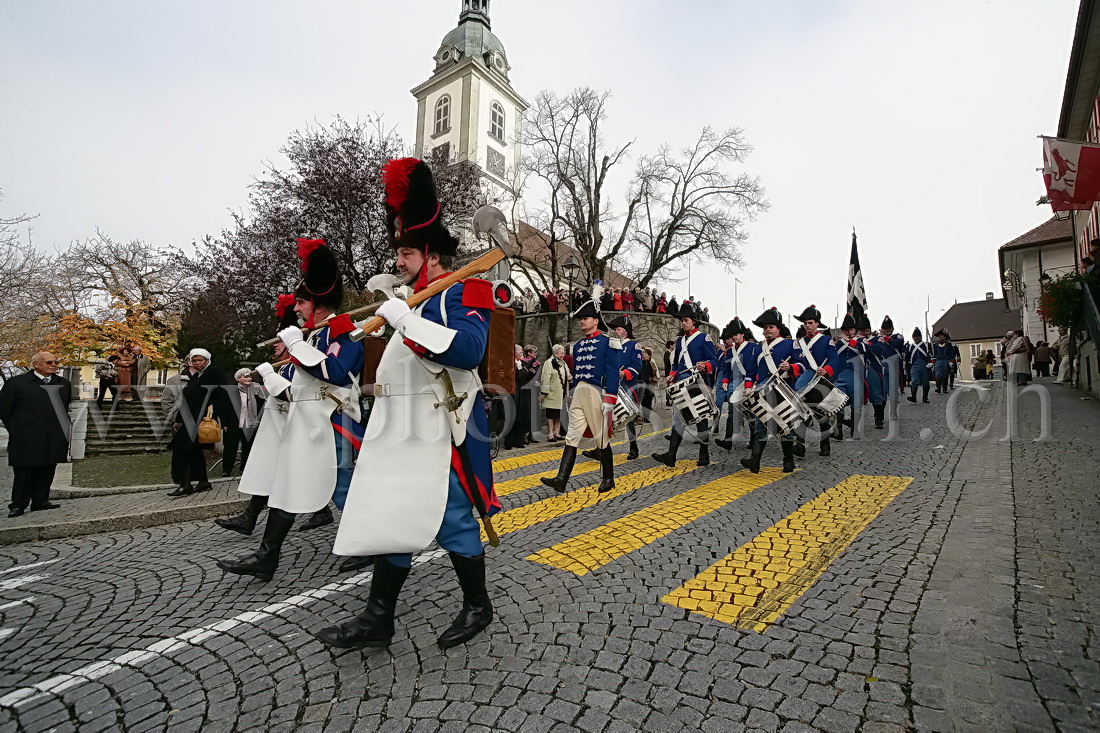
<point>468,106</point>
<point>1044,252</point>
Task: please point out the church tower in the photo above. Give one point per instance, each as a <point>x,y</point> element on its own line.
<point>468,104</point>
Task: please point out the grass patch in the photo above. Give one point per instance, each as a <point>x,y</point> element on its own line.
<point>128,470</point>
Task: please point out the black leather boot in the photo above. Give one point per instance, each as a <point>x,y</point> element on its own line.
<point>477,611</point>
<point>633,452</point>
<point>838,428</point>
<point>374,626</point>
<point>826,447</point>
<point>753,461</point>
<point>799,448</point>
<point>356,562</point>
<point>912,394</point>
<point>880,416</point>
<point>924,393</point>
<point>591,453</point>
<point>788,455</point>
<point>607,470</point>
<point>262,563</point>
<point>669,457</point>
<point>244,522</point>
<point>565,470</point>
<point>317,519</point>
<point>183,489</point>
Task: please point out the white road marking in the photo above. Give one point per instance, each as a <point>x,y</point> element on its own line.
<point>24,580</point>
<point>17,568</point>
<point>94,671</point>
<point>13,604</point>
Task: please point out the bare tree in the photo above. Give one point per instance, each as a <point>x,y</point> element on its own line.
<point>691,206</point>
<point>681,205</point>
<point>567,155</point>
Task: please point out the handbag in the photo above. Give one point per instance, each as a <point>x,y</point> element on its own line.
<point>209,431</point>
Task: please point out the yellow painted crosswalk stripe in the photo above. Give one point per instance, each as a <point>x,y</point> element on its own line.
<point>561,505</point>
<point>511,486</point>
<point>592,550</point>
<point>758,582</point>
<point>542,456</point>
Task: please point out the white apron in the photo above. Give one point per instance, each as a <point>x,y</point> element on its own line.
<point>399,489</point>
<point>301,474</point>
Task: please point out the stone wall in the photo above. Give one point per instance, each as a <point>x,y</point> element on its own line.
<point>651,330</point>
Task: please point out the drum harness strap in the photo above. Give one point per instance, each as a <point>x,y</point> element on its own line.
<point>806,346</point>
<point>684,353</point>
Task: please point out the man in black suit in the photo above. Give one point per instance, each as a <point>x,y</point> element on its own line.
<point>35,409</point>
<point>205,385</point>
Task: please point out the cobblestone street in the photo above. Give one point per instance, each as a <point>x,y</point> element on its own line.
<point>936,581</point>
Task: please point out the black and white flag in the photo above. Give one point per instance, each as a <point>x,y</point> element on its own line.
<point>857,296</point>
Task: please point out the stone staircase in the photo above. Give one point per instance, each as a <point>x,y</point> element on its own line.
<point>126,430</point>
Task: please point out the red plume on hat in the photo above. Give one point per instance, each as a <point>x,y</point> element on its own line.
<point>413,211</point>
<point>284,310</point>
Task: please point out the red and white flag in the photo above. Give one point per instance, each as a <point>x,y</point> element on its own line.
<point>1071,171</point>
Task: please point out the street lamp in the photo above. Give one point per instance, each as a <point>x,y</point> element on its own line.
<point>570,266</point>
<point>1016,286</point>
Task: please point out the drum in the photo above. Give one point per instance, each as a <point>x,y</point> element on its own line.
<point>823,398</point>
<point>692,400</point>
<point>626,408</point>
<point>778,406</point>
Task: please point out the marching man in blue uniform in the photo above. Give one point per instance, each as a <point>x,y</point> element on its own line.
<point>816,356</point>
<point>777,358</point>
<point>630,372</point>
<point>873,375</point>
<point>732,367</point>
<point>308,468</point>
<point>891,348</point>
<point>694,352</point>
<point>425,466</point>
<point>597,364</point>
<point>918,357</point>
<point>943,360</point>
<point>850,350</point>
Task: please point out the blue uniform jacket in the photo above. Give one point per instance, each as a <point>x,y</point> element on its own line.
<point>781,349</point>
<point>701,350</point>
<point>723,373</point>
<point>873,353</point>
<point>944,352</point>
<point>823,352</point>
<point>342,366</point>
<point>847,351</point>
<point>631,363</point>
<point>918,354</point>
<point>469,306</point>
<point>597,362</point>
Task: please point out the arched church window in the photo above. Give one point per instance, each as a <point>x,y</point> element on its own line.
<point>496,121</point>
<point>443,114</point>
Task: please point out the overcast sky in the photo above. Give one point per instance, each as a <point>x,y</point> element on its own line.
<point>914,122</point>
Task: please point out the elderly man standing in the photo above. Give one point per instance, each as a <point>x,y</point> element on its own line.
<point>250,400</point>
<point>35,409</point>
<point>204,386</point>
<point>140,372</point>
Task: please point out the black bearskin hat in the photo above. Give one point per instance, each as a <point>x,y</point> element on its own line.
<point>848,322</point>
<point>811,312</point>
<point>413,209</point>
<point>863,323</point>
<point>770,317</point>
<point>887,323</point>
<point>728,332</point>
<point>322,283</point>
<point>917,333</point>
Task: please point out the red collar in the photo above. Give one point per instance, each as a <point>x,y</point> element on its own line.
<point>417,289</point>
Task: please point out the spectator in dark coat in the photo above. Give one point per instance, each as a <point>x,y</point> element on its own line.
<point>673,306</point>
<point>34,407</point>
<point>205,385</point>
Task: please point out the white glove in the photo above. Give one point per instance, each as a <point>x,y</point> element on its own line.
<point>393,310</point>
<point>291,335</point>
<point>265,370</point>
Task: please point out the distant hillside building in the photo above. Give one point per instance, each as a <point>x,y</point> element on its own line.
<point>977,327</point>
